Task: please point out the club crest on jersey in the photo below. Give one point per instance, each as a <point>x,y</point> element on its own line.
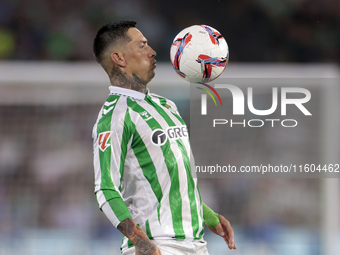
<point>159,136</point>
<point>170,108</point>
<point>103,140</point>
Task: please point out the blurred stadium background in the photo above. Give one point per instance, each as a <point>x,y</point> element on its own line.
<point>51,91</point>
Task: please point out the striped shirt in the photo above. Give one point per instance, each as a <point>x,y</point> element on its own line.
<point>142,165</point>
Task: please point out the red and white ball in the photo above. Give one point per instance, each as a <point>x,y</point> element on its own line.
<point>199,54</point>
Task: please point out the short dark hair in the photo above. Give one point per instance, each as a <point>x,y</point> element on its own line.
<point>109,35</point>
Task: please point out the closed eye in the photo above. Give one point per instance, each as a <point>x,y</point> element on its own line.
<point>143,43</point>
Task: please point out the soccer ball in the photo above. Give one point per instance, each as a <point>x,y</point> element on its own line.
<point>199,54</point>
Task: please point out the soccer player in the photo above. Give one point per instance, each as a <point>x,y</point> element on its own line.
<point>143,179</point>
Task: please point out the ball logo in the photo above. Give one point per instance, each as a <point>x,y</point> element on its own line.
<point>158,137</point>
<point>180,43</point>
<point>207,64</point>
<point>214,35</point>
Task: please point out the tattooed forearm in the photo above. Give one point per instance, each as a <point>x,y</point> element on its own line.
<point>119,78</point>
<point>137,236</point>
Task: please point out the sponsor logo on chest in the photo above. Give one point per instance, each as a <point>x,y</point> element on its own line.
<point>160,136</point>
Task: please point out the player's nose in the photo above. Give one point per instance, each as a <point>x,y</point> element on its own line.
<point>152,53</point>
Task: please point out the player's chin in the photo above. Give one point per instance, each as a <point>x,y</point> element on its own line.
<point>152,74</point>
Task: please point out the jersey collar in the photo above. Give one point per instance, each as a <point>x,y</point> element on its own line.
<point>128,92</point>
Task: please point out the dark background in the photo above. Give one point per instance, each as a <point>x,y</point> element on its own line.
<point>256,30</point>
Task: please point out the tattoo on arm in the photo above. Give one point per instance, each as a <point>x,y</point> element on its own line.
<point>137,236</point>
<point>118,78</point>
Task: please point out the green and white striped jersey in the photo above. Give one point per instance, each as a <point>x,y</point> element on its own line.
<point>142,166</point>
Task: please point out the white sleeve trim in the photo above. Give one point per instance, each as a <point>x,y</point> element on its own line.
<point>100,198</point>
<point>106,208</point>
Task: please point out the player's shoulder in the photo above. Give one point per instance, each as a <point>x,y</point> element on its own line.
<point>113,108</point>
<point>113,103</point>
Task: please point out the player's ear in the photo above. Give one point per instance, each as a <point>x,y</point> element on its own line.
<point>118,58</point>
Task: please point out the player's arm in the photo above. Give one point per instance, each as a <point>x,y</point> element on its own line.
<point>117,212</point>
<point>138,237</point>
<point>110,148</point>
<point>219,225</point>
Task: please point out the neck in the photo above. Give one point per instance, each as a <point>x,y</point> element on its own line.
<point>120,78</point>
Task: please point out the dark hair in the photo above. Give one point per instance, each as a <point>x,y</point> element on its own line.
<point>109,35</point>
